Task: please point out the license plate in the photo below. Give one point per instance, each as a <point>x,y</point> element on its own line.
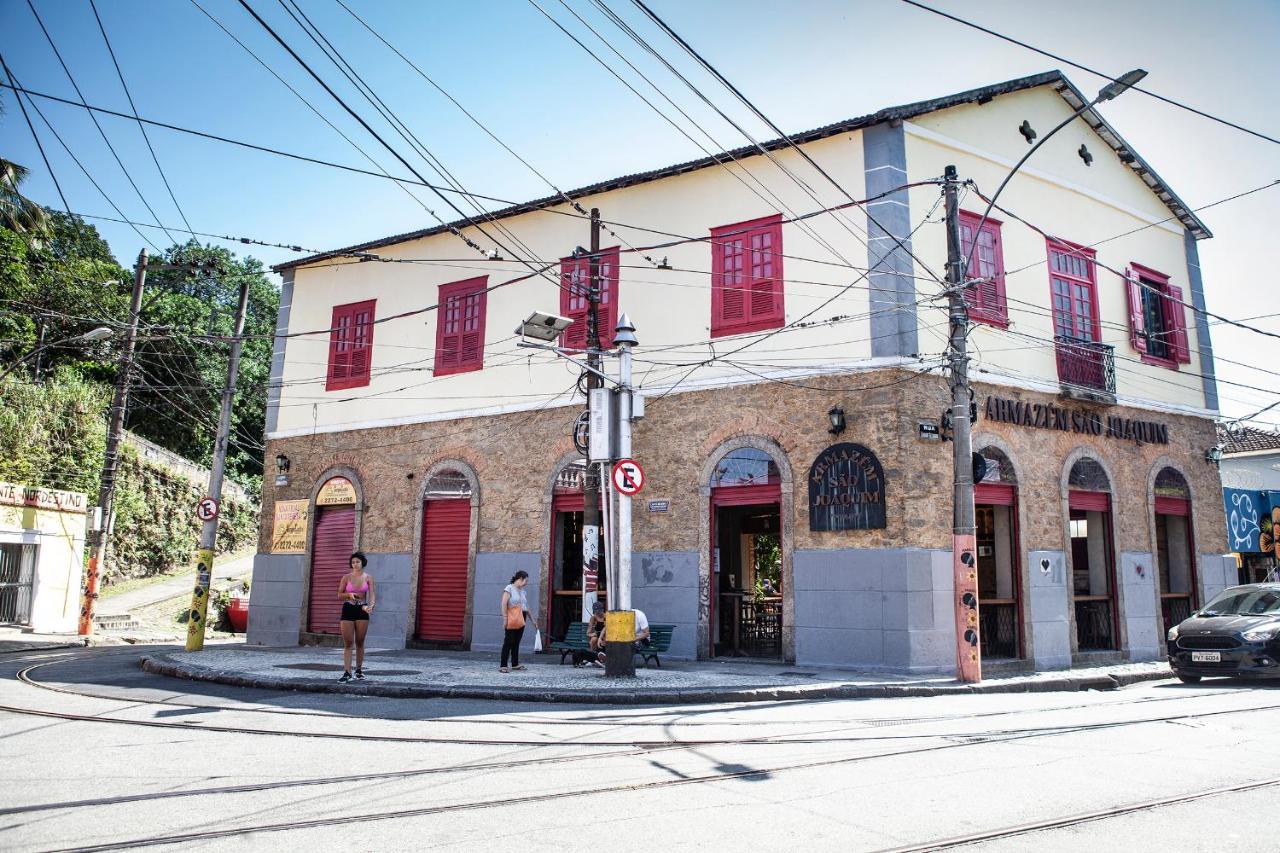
<point>1206,657</point>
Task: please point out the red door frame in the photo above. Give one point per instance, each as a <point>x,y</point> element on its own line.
<point>763,494</point>
<point>567,502</point>
<point>1006,494</point>
<point>1100,502</point>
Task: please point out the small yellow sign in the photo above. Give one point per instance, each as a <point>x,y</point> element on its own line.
<point>338,490</point>
<point>289,533</point>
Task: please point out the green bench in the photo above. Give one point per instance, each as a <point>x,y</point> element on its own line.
<point>575,640</point>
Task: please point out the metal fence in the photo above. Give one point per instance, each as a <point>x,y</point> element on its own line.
<point>1094,627</point>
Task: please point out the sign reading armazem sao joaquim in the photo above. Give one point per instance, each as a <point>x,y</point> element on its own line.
<point>1076,420</point>
<point>846,489</point>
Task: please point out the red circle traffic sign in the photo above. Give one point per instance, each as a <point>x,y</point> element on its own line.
<point>207,509</point>
<point>628,476</point>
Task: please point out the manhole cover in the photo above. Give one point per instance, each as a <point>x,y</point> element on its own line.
<point>334,667</point>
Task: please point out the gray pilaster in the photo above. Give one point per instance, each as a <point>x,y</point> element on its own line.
<point>1050,622</point>
<point>1215,573</point>
<point>1202,322</point>
<point>277,351</point>
<point>493,572</point>
<point>893,292</point>
<point>664,584</point>
<point>275,602</point>
<point>1141,617</point>
<point>389,624</point>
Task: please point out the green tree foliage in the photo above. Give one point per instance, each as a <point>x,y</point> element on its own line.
<point>17,212</point>
<point>53,435</point>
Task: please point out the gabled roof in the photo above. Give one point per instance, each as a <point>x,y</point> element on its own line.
<point>1069,93</point>
<point>1244,439</point>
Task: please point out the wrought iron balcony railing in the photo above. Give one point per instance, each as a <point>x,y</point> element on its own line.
<point>1086,364</point>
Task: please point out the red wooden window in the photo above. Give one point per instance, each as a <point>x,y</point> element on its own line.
<point>460,326</point>
<point>1074,292</point>
<point>350,345</point>
<point>985,298</point>
<point>575,287</point>
<point>746,277</point>
<point>1157,317</point>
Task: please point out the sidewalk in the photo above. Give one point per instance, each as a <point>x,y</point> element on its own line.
<point>13,639</point>
<point>475,675</point>
<point>127,602</point>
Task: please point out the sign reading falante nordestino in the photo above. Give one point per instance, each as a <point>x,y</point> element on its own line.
<point>846,489</point>
<point>1082,421</point>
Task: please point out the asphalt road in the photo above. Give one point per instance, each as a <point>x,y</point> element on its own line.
<point>97,754</point>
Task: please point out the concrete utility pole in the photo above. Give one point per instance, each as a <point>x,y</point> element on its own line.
<point>590,481</point>
<point>107,487</point>
<point>199,612</point>
<point>620,625</point>
<point>963,546</point>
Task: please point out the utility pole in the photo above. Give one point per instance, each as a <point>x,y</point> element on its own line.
<point>591,481</point>
<point>41,322</point>
<point>107,487</point>
<point>963,545</point>
<point>199,612</point>
<point>620,625</point>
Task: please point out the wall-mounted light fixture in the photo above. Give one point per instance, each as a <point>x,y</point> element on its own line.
<point>1213,454</point>
<point>836,416</point>
<point>282,463</point>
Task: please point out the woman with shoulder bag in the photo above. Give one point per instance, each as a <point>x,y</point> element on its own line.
<point>515,613</point>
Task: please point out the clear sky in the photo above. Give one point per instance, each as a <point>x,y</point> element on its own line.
<point>804,63</point>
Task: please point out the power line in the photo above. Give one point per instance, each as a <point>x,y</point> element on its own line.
<point>1094,71</point>
<point>142,127</point>
<point>101,132</point>
<point>36,137</point>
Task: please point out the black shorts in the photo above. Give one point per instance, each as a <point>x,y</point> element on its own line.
<point>353,612</point>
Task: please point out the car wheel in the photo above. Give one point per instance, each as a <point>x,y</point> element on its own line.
<point>1189,679</point>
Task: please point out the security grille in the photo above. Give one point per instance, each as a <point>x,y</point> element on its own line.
<point>17,577</point>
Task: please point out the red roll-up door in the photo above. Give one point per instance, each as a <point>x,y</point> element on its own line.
<point>442,569</point>
<point>330,559</point>
<point>1096,501</point>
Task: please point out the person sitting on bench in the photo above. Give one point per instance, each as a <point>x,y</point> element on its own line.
<point>642,642</point>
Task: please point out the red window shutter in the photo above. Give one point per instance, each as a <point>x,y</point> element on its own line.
<point>351,345</point>
<point>575,290</point>
<point>1137,317</point>
<point>747,292</point>
<point>1175,316</point>
<point>460,326</point>
<point>986,298</point>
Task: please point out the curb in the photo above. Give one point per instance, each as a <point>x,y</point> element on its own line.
<point>162,664</point>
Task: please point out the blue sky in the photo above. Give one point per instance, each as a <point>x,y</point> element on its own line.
<point>805,63</point>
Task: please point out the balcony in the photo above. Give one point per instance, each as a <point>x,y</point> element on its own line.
<point>1086,369</point>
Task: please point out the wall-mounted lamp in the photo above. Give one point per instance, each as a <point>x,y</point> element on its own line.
<point>1213,454</point>
<point>282,463</point>
<point>836,415</point>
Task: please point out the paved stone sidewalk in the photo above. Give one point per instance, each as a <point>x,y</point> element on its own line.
<point>421,674</point>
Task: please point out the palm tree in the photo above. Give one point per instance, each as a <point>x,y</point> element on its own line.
<point>17,212</point>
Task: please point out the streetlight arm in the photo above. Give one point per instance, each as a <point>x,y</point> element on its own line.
<point>94,335</point>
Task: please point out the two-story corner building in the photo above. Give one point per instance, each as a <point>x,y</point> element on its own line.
<point>430,441</point>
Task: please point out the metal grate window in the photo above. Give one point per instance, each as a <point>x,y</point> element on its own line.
<point>17,578</point>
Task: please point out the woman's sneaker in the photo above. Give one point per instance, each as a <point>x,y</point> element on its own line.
<point>359,674</point>
<point>346,676</point>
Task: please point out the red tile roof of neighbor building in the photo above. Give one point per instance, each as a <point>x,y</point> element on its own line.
<point>1064,87</point>
<point>1243,439</point>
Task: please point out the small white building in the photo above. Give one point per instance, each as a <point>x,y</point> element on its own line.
<point>42,534</point>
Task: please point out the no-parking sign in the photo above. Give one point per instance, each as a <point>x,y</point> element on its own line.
<point>628,476</point>
<point>207,509</point>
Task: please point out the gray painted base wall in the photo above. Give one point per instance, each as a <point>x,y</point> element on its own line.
<point>493,572</point>
<point>275,604</point>
<point>664,584</point>
<point>1215,573</point>
<point>389,622</point>
<point>1138,610</point>
<point>877,609</point>
<point>1050,623</point>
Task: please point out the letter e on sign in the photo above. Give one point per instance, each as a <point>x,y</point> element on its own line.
<point>628,476</point>
<point>207,509</point>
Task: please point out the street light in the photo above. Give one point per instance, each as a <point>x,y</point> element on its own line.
<point>1114,89</point>
<point>101,333</point>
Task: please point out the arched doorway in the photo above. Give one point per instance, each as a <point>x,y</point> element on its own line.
<point>995,499</point>
<point>1093,557</point>
<point>445,555</point>
<point>564,567</point>
<point>746,618</point>
<point>333,540</point>
<point>1175,547</point>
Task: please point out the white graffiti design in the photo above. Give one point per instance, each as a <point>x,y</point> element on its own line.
<point>1244,523</point>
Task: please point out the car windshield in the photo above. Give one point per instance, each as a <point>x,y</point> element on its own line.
<point>1244,602</point>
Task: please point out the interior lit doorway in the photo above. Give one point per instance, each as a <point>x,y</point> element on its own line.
<point>565,590</point>
<point>1175,548</point>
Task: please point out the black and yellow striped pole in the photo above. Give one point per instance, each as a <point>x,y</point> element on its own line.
<point>198,615</point>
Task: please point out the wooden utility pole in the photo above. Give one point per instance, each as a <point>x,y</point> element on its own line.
<point>107,488</point>
<point>590,481</point>
<point>963,545</point>
<point>199,612</point>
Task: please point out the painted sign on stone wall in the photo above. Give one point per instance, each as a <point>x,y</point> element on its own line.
<point>289,531</point>
<point>846,489</point>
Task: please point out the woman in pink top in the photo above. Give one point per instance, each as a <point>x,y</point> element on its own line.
<point>356,592</point>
